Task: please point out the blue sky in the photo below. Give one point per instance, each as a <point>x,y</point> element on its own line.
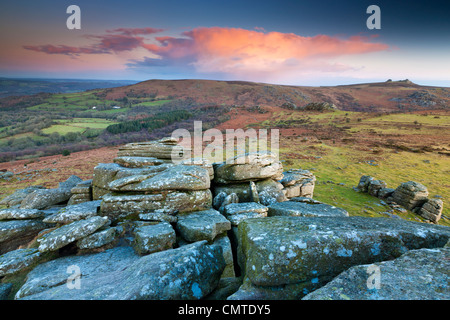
<point>287,42</point>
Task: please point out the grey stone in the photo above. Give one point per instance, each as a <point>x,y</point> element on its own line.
<point>137,162</point>
<point>417,275</point>
<point>432,210</point>
<point>204,163</point>
<point>158,215</point>
<point>364,182</point>
<point>385,193</point>
<point>202,225</point>
<point>165,148</point>
<point>410,194</point>
<point>153,238</point>
<point>231,198</point>
<point>43,198</point>
<point>248,167</point>
<point>105,173</point>
<point>75,212</point>
<point>269,191</point>
<point>116,206</point>
<point>254,192</point>
<point>71,232</point>
<point>17,260</point>
<point>17,197</point>
<point>98,239</point>
<point>5,289</point>
<point>298,183</point>
<point>375,186</point>
<point>224,243</point>
<point>189,272</point>
<point>16,233</point>
<point>237,212</point>
<point>303,209</point>
<point>289,257</point>
<point>20,214</point>
<point>180,177</point>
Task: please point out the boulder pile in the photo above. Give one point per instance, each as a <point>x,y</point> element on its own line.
<point>410,195</point>
<point>147,228</point>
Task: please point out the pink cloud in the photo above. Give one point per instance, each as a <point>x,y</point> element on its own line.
<point>252,53</point>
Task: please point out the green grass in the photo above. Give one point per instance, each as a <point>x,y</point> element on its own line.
<point>78,125</point>
<point>346,165</point>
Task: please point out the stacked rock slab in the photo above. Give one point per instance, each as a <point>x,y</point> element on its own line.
<point>298,183</point>
<point>166,148</point>
<point>410,194</point>
<point>82,192</point>
<point>250,176</point>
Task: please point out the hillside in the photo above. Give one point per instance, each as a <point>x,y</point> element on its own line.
<point>377,97</point>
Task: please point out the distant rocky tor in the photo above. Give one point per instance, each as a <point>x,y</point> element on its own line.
<point>147,228</point>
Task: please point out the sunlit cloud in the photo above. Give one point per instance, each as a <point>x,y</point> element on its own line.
<point>230,52</point>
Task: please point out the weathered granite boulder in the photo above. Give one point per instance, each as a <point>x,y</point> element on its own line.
<point>159,216</point>
<point>432,210</point>
<point>204,163</point>
<point>202,225</point>
<point>165,148</point>
<point>288,257</point>
<point>5,290</point>
<point>43,198</point>
<point>75,212</point>
<point>17,197</point>
<point>104,173</point>
<point>118,206</point>
<point>269,191</point>
<point>224,243</point>
<point>237,212</point>
<point>417,275</point>
<point>153,238</point>
<point>410,194</point>
<point>364,182</point>
<point>189,272</point>
<point>16,233</point>
<point>375,186</point>
<point>21,214</point>
<point>82,192</point>
<point>303,209</point>
<point>248,167</point>
<point>385,193</point>
<point>138,162</point>
<point>98,239</point>
<point>178,177</point>
<point>71,232</point>
<point>298,183</point>
<point>17,260</point>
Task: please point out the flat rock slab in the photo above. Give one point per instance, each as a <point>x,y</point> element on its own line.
<point>43,198</point>
<point>307,252</point>
<point>153,238</point>
<point>117,206</point>
<point>17,260</point>
<point>189,272</point>
<point>202,225</point>
<point>75,212</point>
<point>17,197</point>
<point>138,162</point>
<point>15,233</point>
<point>249,167</point>
<point>237,212</point>
<point>303,209</point>
<point>71,232</point>
<point>417,275</point>
<point>20,214</point>
<point>178,177</point>
<point>98,239</point>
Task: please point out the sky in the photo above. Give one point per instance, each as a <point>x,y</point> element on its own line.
<point>282,42</point>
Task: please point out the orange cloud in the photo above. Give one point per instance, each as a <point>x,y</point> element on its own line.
<point>239,51</point>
